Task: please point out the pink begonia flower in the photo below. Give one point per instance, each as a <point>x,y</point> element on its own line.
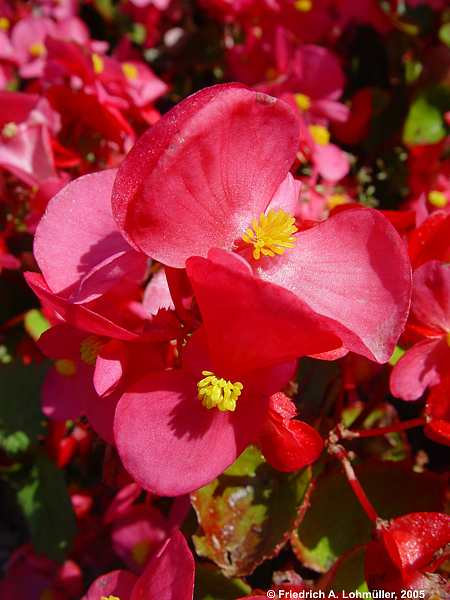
<point>169,575</point>
<point>30,576</point>
<point>173,437</point>
<point>311,77</point>
<point>159,4</point>
<point>26,121</point>
<point>78,246</point>
<point>428,361</point>
<point>213,169</point>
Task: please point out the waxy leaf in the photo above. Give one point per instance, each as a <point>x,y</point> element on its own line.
<point>211,584</point>
<point>335,522</point>
<point>47,507</point>
<point>347,573</point>
<point>245,515</point>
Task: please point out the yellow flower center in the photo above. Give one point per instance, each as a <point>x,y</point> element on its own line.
<point>9,130</point>
<point>437,199</point>
<point>218,393</point>
<point>66,367</point>
<point>140,552</point>
<point>89,349</point>
<point>336,200</point>
<point>272,234</point>
<point>303,102</point>
<point>4,23</point>
<point>303,5</point>
<point>319,134</point>
<point>37,49</point>
<point>110,598</point>
<point>130,71</point>
<point>98,63</point>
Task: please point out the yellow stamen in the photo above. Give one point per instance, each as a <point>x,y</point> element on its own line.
<point>98,63</point>
<point>9,130</point>
<point>437,199</point>
<point>319,134</point>
<point>89,349</point>
<point>4,23</point>
<point>130,71</point>
<point>110,598</point>
<point>272,234</point>
<point>37,49</point>
<point>448,338</point>
<point>66,367</point>
<point>218,393</point>
<point>303,102</point>
<point>140,552</point>
<point>336,200</point>
<point>303,5</point>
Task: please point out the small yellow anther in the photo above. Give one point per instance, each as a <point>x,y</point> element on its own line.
<point>272,234</point>
<point>66,367</point>
<point>98,63</point>
<point>110,598</point>
<point>336,200</point>
<point>5,23</point>
<point>89,349</point>
<point>302,101</point>
<point>319,134</point>
<point>37,49</point>
<point>130,71</point>
<point>437,199</point>
<point>9,130</point>
<point>218,393</point>
<point>303,5</point>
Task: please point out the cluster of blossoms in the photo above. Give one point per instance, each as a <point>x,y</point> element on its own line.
<point>224,251</point>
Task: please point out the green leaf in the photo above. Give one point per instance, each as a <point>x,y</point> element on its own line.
<point>425,123</point>
<point>47,507</point>
<point>245,515</point>
<point>335,522</point>
<point>35,323</point>
<point>347,574</point>
<point>444,34</point>
<point>20,401</point>
<point>211,584</point>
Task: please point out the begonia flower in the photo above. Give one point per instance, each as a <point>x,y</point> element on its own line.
<point>185,188</point>
<point>169,575</point>
<point>427,362</point>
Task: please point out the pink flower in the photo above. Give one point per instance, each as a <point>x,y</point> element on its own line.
<point>169,575</point>
<point>428,361</point>
<point>207,173</point>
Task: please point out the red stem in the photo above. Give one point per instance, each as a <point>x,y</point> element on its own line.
<point>396,427</point>
<point>342,455</point>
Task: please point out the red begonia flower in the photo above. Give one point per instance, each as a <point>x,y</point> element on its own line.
<point>186,188</point>
<point>407,550</point>
<point>169,575</point>
<point>438,412</point>
<point>428,361</point>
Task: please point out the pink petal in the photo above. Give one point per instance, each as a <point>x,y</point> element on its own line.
<point>249,323</point>
<point>100,414</point>
<point>109,367</point>
<point>167,440</point>
<point>331,161</point>
<point>339,269</point>
<point>420,367</point>
<point>157,294</point>
<point>199,176</point>
<point>75,314</point>
<point>169,575</point>
<point>78,246</point>
<point>431,295</point>
<point>117,583</point>
<point>287,196</point>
